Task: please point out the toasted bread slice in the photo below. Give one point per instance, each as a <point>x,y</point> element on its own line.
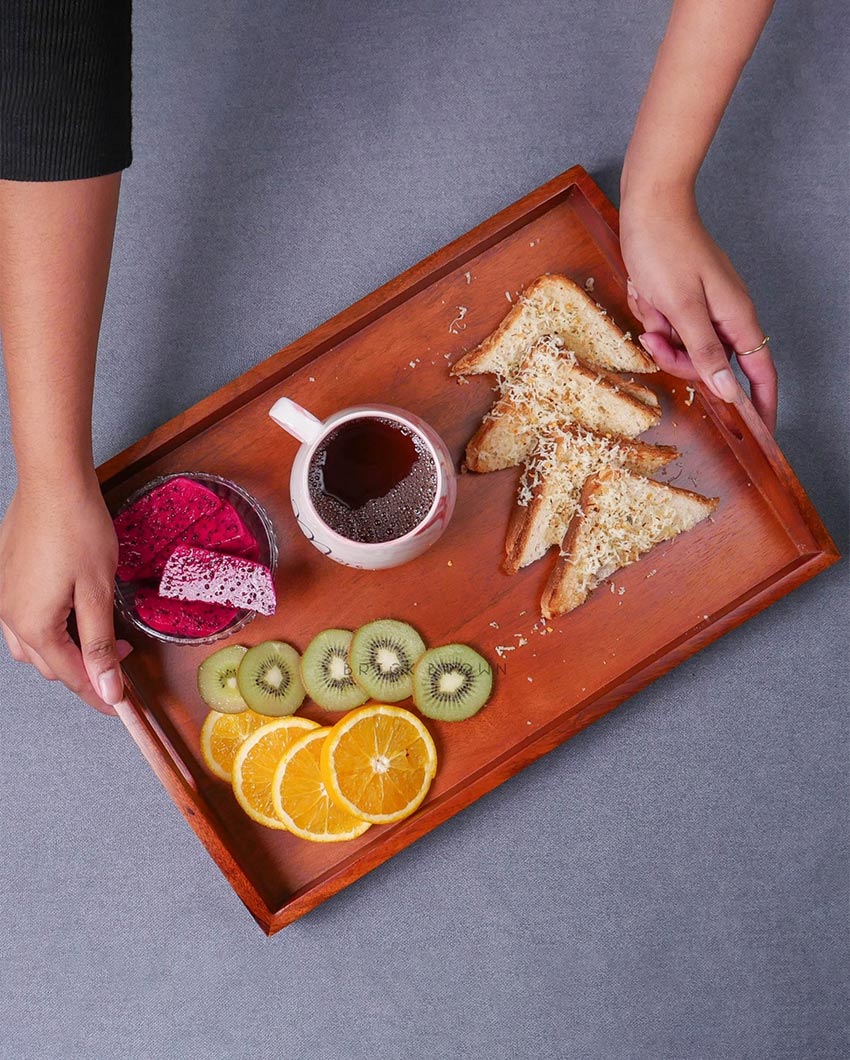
<point>555,305</point>
<point>621,517</point>
<point>551,484</point>
<point>631,386</point>
<point>552,386</point>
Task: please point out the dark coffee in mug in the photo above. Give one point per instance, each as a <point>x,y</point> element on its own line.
<point>372,479</point>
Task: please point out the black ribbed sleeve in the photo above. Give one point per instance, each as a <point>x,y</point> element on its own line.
<point>64,88</point>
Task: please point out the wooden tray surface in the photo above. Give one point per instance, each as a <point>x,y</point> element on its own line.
<point>395,346</point>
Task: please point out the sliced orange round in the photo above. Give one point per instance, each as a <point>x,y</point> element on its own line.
<point>255,764</point>
<point>378,763</point>
<point>301,799</point>
<point>221,735</point>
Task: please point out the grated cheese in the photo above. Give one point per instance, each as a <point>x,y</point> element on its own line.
<point>554,477</point>
<point>553,309</point>
<point>626,518</point>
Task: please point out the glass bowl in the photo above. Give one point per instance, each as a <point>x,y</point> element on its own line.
<point>255,518</point>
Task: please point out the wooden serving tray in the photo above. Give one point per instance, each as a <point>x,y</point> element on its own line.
<point>395,346</point>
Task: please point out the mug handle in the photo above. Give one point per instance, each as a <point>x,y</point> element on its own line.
<point>298,422</point>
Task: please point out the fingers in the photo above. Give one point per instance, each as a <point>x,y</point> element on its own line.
<point>23,653</point>
<point>742,331</point>
<point>707,324</point>
<point>764,390</point>
<point>96,630</point>
<point>63,657</point>
<point>705,348</point>
<point>52,652</point>
<point>16,649</point>
<point>652,319</point>
<point>669,358</point>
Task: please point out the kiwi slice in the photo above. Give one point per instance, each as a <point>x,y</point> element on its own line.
<point>269,679</point>
<point>451,683</point>
<point>326,672</point>
<point>217,680</point>
<point>382,658</point>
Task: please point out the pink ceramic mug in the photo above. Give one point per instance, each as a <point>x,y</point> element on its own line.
<point>311,432</point>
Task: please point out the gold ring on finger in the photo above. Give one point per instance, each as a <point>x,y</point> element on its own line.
<point>761,346</point>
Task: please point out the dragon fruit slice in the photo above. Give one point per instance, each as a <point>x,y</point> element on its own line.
<point>198,574</point>
<point>182,618</point>
<point>223,531</point>
<point>148,527</point>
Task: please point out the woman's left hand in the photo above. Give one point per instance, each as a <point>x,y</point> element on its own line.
<point>693,305</point>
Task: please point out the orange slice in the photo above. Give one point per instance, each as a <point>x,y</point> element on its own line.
<point>255,764</point>
<point>378,763</point>
<point>221,735</point>
<point>301,799</point>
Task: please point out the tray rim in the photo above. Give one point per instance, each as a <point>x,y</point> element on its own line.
<point>813,555</point>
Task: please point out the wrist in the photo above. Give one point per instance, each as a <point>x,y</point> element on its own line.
<point>649,199</point>
<point>646,187</point>
<point>69,479</point>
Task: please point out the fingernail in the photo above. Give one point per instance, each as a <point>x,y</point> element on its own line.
<point>124,648</point>
<point>630,287</point>
<point>646,345</point>
<point>111,687</point>
<point>723,384</point>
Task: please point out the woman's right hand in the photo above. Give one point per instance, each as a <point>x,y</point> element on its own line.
<point>58,553</point>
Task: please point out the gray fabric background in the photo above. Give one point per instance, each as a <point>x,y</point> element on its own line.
<point>672,883</point>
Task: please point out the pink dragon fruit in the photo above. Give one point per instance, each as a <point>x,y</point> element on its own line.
<point>198,574</point>
<point>148,527</point>
<point>181,618</point>
<point>222,531</point>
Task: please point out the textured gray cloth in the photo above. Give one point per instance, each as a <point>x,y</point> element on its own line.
<point>673,882</point>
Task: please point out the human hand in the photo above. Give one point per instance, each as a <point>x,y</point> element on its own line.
<point>691,301</point>
<point>58,552</point>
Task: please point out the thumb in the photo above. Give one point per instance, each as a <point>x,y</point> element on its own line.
<point>96,630</point>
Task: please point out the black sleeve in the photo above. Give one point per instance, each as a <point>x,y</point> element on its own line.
<point>64,88</point>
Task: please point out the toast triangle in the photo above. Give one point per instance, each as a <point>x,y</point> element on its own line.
<point>622,516</point>
<point>552,386</point>
<point>550,486</point>
<point>556,305</point>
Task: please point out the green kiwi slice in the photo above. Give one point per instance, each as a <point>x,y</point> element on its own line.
<point>217,680</point>
<point>269,679</point>
<point>451,683</point>
<point>326,672</point>
<point>382,657</point>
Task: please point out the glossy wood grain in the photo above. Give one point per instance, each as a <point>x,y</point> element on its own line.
<point>395,346</point>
